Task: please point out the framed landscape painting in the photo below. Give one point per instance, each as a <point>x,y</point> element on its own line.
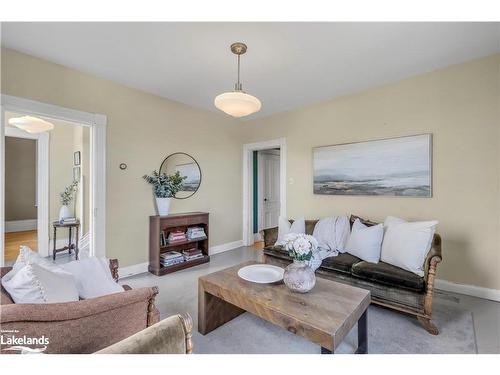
<point>386,167</point>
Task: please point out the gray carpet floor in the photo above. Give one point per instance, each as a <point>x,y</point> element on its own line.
<point>388,331</point>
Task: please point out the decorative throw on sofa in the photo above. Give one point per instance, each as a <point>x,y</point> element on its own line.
<point>332,234</point>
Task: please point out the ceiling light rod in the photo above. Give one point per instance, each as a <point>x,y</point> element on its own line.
<point>238,49</point>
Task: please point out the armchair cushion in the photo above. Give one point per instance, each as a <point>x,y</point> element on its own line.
<point>388,274</point>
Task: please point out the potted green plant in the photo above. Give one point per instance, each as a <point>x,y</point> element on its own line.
<point>66,197</point>
<point>164,189</point>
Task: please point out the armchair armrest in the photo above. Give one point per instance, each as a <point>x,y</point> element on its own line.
<point>270,236</point>
<point>51,312</point>
<point>170,336</point>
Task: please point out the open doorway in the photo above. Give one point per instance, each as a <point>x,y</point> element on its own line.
<point>20,194</point>
<point>264,188</point>
<point>64,162</point>
<point>72,150</point>
<point>266,192</point>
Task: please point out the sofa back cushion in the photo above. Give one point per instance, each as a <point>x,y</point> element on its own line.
<point>365,241</point>
<point>366,222</point>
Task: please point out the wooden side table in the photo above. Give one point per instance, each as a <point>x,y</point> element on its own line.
<point>71,245</point>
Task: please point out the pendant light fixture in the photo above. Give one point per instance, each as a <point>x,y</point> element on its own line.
<point>237,103</point>
<point>31,124</point>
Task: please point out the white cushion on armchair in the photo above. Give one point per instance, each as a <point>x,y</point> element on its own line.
<point>92,280</point>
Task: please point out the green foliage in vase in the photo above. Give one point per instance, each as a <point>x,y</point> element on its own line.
<point>67,195</point>
<point>165,186</point>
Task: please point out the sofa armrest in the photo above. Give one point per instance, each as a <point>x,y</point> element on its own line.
<point>433,257</point>
<point>52,312</point>
<point>270,236</point>
<point>170,336</point>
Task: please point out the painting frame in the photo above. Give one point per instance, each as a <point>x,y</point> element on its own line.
<point>429,155</point>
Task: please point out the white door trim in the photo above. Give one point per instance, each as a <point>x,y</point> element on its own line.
<point>42,184</point>
<point>248,237</point>
<point>97,124</point>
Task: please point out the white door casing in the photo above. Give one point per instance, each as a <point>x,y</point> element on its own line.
<point>97,185</point>
<point>248,149</point>
<point>269,183</point>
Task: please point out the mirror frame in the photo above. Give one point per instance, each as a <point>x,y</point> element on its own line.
<point>199,168</point>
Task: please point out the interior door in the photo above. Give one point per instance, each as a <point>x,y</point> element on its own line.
<point>270,197</point>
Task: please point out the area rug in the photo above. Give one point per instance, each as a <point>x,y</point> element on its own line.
<point>389,332</point>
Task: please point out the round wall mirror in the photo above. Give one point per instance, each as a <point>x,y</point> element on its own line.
<point>187,167</point>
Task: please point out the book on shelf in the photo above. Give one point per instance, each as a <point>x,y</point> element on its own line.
<point>68,220</point>
<point>171,258</point>
<point>196,233</point>
<point>193,253</point>
<point>176,236</point>
<point>163,238</point>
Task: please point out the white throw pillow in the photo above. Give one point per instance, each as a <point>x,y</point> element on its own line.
<point>91,279</point>
<point>406,244</point>
<point>36,284</point>
<point>365,242</point>
<point>284,228</point>
<point>27,256</point>
<point>332,234</point>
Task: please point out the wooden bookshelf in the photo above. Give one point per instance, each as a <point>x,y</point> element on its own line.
<point>170,223</point>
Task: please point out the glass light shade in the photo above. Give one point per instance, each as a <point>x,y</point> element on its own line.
<point>31,124</point>
<point>237,103</point>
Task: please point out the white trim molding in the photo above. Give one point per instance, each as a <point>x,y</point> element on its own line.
<point>20,225</point>
<point>225,247</point>
<point>248,149</point>
<point>468,290</point>
<point>97,124</point>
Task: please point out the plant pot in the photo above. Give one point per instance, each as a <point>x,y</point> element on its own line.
<point>163,206</point>
<point>64,212</point>
<point>299,277</point>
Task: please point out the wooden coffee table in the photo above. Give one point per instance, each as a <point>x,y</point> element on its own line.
<point>324,316</point>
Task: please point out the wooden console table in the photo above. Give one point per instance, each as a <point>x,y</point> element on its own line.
<point>172,223</point>
<point>71,245</point>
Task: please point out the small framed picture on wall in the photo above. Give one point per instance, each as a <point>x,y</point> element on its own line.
<point>76,174</point>
<point>76,158</point>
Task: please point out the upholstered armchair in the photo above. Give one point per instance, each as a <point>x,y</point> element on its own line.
<point>84,326</point>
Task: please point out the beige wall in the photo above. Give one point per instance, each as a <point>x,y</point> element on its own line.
<point>20,179</point>
<point>142,130</point>
<point>459,105</point>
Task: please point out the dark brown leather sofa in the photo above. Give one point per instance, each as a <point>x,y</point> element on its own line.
<point>390,286</point>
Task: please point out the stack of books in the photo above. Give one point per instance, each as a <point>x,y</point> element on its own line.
<point>69,220</point>
<point>196,233</point>
<point>171,258</point>
<point>177,236</point>
<point>191,254</point>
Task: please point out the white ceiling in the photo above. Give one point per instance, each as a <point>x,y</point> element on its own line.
<point>287,65</point>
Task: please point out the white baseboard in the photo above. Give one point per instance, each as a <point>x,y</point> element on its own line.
<point>225,247</point>
<point>133,270</point>
<point>469,290</point>
<point>143,267</point>
<point>20,225</point>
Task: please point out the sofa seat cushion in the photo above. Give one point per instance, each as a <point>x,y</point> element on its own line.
<point>341,263</point>
<point>385,273</point>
